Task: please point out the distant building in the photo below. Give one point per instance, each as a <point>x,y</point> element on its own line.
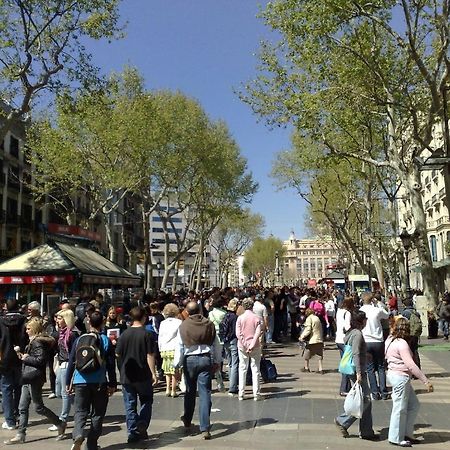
<point>311,258</point>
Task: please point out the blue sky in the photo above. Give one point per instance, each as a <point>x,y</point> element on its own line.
<point>205,48</point>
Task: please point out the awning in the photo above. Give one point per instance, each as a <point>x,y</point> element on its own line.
<point>58,262</point>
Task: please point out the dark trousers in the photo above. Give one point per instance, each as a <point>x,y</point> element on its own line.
<point>197,373</point>
<point>91,401</point>
<point>375,366</point>
<point>11,394</point>
<point>33,393</point>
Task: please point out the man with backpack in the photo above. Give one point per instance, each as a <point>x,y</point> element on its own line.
<point>12,334</point>
<point>415,328</point>
<point>136,351</point>
<point>91,374</point>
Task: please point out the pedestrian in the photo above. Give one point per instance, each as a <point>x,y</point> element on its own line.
<point>33,310</point>
<point>401,367</point>
<point>248,331</point>
<point>261,311</point>
<point>198,352</point>
<point>373,336</point>
<point>415,328</point>
<point>93,386</point>
<point>12,334</point>
<point>312,334</point>
<point>343,316</point>
<point>34,362</point>
<point>216,315</point>
<point>270,306</point>
<point>167,342</point>
<point>67,335</point>
<point>136,351</point>
<point>443,313</point>
<point>355,339</point>
<point>228,335</point>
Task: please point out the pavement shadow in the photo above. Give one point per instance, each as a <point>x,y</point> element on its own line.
<point>228,429</point>
<point>438,375</point>
<point>287,394</point>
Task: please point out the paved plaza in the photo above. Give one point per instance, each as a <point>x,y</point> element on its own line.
<point>297,413</point>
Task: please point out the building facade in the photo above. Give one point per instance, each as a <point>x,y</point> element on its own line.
<point>308,259</point>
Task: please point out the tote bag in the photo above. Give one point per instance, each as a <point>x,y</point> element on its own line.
<point>346,365</point>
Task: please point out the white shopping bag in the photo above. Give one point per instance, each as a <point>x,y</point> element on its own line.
<point>354,402</point>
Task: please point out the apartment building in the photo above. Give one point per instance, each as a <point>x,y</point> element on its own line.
<point>308,259</point>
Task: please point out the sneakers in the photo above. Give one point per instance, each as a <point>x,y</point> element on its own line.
<point>53,428</point>
<point>52,395</point>
<point>375,397</point>
<point>17,439</point>
<point>77,443</point>
<point>342,429</point>
<point>221,387</point>
<point>61,428</point>
<point>371,437</point>
<point>206,435</point>
<point>5,426</point>
<point>240,398</point>
<point>231,394</point>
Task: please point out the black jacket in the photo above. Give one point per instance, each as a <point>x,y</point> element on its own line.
<point>12,333</point>
<point>227,328</point>
<point>38,351</point>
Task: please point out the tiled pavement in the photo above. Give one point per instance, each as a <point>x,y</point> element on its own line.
<point>297,412</point>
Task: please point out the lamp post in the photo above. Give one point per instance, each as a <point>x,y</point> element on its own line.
<point>406,239</point>
<point>277,267</point>
<point>158,267</point>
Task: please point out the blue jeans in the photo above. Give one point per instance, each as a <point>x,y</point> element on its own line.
<point>345,379</point>
<point>405,407</point>
<point>375,366</point>
<point>231,351</point>
<point>61,392</point>
<point>197,374</point>
<point>33,393</point>
<point>11,394</point>
<point>365,423</point>
<point>443,325</point>
<point>136,422</point>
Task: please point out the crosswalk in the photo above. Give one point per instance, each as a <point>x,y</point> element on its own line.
<point>313,385</point>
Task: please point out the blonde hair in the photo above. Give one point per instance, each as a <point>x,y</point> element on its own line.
<point>68,316</point>
<point>171,310</point>
<point>35,325</point>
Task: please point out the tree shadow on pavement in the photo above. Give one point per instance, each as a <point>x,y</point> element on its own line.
<point>228,429</point>
<point>439,375</point>
<point>428,437</point>
<point>290,394</point>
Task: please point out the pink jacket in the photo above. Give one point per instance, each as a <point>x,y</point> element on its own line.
<point>248,331</point>
<point>400,360</point>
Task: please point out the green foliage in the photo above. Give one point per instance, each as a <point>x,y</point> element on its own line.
<point>42,47</point>
<point>260,256</point>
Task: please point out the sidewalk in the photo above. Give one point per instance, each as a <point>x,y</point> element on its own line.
<point>297,412</point>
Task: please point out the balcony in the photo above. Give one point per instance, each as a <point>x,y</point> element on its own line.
<point>442,193</point>
<point>444,220</point>
<point>428,204</point>
<point>435,199</point>
<point>434,174</point>
<point>431,224</point>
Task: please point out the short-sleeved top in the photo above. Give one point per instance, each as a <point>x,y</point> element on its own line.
<point>133,346</point>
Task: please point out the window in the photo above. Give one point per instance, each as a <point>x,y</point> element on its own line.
<point>11,210</point>
<point>173,219</point>
<point>14,147</point>
<point>433,248</point>
<point>161,230</point>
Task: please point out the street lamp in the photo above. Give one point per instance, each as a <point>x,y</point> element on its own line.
<point>406,239</point>
<point>158,267</point>
<point>277,267</point>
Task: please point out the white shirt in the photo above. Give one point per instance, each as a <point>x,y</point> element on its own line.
<point>342,324</point>
<point>330,308</point>
<point>167,338</point>
<point>260,310</point>
<point>373,331</point>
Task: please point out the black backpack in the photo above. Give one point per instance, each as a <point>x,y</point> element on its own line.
<point>88,354</point>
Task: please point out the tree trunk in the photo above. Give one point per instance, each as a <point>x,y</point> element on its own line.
<point>413,186</point>
<point>112,249</point>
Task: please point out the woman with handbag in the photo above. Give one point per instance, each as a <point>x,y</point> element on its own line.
<point>355,339</point>
<point>312,334</point>
<point>34,362</point>
<point>401,367</point>
<point>343,316</point>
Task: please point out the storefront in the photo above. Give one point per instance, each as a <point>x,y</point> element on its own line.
<point>56,270</point>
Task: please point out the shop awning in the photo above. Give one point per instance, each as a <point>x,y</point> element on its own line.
<point>59,262</point>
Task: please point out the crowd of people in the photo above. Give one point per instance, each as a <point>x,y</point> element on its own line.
<point>183,339</point>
